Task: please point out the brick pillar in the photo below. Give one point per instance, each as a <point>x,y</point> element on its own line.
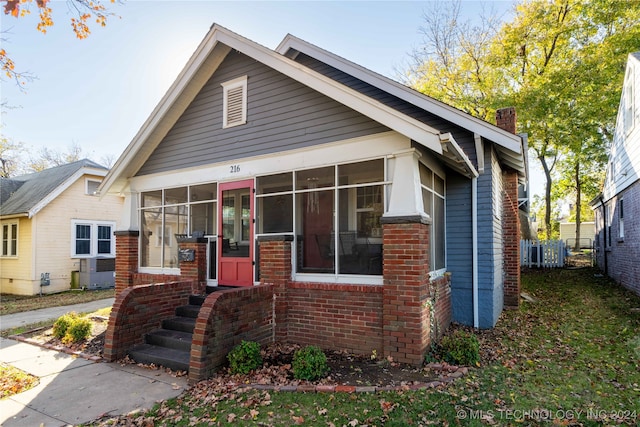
<point>511,239</point>
<point>195,270</point>
<point>275,269</point>
<point>126,258</point>
<point>405,309</point>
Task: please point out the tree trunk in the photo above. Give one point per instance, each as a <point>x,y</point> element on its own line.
<point>576,247</point>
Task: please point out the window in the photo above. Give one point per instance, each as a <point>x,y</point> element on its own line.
<point>627,100</point>
<point>165,213</point>
<point>621,218</point>
<point>433,197</point>
<point>9,240</point>
<point>91,187</point>
<point>234,102</point>
<point>92,238</point>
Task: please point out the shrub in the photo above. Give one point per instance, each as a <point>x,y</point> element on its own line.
<point>309,363</point>
<point>461,348</point>
<point>245,357</point>
<point>78,330</point>
<point>62,324</point>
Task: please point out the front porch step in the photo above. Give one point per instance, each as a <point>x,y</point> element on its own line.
<point>180,323</point>
<point>176,340</point>
<point>190,311</point>
<point>177,360</point>
<point>170,346</point>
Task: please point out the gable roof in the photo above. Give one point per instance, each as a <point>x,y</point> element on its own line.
<point>509,145</point>
<point>211,52</point>
<point>26,195</point>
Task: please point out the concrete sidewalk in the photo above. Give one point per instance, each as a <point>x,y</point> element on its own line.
<point>10,321</point>
<point>74,391</point>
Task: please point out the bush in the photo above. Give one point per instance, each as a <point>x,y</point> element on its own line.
<point>72,328</point>
<point>461,348</point>
<point>78,330</point>
<point>245,357</point>
<point>309,363</point>
<point>62,324</point>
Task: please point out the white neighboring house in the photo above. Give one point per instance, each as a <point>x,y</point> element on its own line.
<point>52,224</point>
<point>617,240</point>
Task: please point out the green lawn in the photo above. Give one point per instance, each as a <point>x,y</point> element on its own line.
<point>571,358</point>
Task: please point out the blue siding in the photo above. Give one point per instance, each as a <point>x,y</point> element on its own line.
<point>459,247</point>
<point>283,114</point>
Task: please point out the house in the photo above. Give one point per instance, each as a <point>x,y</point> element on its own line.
<point>368,214</point>
<point>587,234</point>
<point>618,244</point>
<point>53,224</point>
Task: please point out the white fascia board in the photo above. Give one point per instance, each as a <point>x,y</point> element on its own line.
<point>376,110</point>
<point>467,121</point>
<point>166,113</point>
<point>448,139</point>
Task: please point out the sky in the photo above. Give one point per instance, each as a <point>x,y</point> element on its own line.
<point>97,92</point>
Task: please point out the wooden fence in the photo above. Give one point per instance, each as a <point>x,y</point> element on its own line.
<point>547,254</point>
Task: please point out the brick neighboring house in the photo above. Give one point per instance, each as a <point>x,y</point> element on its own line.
<point>312,201</point>
<point>617,241</point>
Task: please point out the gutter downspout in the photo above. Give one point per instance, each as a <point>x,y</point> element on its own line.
<point>474,248</point>
<point>604,231</point>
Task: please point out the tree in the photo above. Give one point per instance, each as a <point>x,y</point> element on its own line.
<point>559,62</point>
<point>9,157</point>
<point>83,11</point>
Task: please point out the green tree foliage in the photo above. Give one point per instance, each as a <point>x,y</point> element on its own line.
<point>559,62</point>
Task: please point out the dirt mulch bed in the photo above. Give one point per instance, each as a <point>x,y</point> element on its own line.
<point>344,368</point>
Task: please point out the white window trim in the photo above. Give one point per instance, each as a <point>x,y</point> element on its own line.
<point>240,82</point>
<point>10,237</point>
<point>93,252</point>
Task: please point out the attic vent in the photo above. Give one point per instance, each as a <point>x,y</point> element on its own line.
<point>234,102</point>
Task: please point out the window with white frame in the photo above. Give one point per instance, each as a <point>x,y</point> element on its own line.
<point>92,238</point>
<point>234,102</point>
<point>621,218</point>
<point>627,101</point>
<point>170,211</point>
<point>91,186</point>
<point>433,199</point>
<point>9,240</point>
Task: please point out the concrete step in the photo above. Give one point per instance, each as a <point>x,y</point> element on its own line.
<point>188,311</point>
<point>180,323</point>
<point>197,299</point>
<point>177,340</point>
<point>177,360</point>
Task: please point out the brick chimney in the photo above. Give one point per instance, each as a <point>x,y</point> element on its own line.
<point>506,119</point>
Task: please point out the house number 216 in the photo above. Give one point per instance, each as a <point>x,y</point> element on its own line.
<point>234,168</point>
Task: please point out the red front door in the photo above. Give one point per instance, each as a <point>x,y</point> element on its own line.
<point>235,241</point>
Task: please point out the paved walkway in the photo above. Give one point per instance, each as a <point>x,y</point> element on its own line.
<point>73,390</point>
<point>10,321</point>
